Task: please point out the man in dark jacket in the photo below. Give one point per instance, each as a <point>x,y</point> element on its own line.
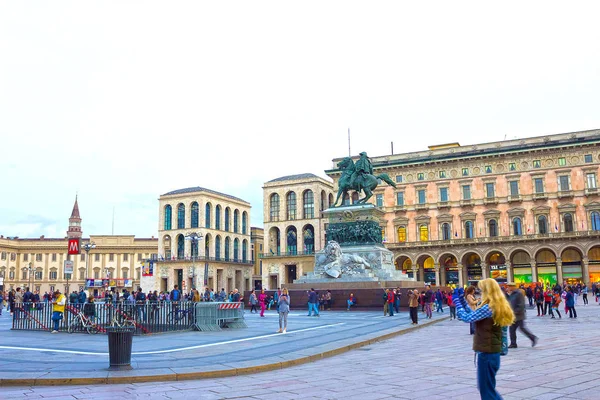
<point>313,303</point>
<point>517,302</point>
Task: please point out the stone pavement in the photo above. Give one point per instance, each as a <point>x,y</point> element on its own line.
<point>435,362</point>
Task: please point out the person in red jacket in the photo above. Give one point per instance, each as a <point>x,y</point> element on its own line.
<point>548,301</point>
<point>451,305</point>
<point>390,300</point>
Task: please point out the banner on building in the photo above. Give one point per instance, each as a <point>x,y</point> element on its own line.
<point>148,268</point>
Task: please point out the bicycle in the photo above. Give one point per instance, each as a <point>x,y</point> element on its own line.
<point>80,322</point>
<point>178,315</point>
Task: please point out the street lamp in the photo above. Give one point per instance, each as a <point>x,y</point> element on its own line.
<point>194,238</point>
<point>29,268</point>
<point>87,247</point>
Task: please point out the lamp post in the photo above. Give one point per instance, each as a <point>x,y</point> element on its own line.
<point>30,269</point>
<point>194,238</point>
<point>87,247</point>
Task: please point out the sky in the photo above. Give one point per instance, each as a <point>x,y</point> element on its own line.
<point>122,101</point>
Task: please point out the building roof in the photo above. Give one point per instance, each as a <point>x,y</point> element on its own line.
<point>75,212</point>
<point>294,177</point>
<point>201,189</point>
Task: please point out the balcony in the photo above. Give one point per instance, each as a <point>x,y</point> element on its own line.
<point>288,254</point>
<point>565,193</point>
<point>591,191</point>
<point>514,198</point>
<point>466,203</point>
<point>200,259</point>
<point>423,206</point>
<point>540,196</point>
<point>490,200</point>
<point>443,204</point>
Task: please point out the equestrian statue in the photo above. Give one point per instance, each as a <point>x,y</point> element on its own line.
<point>359,177</point>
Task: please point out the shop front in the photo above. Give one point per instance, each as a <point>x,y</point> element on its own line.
<point>522,274</point>
<point>451,276</point>
<point>572,273</point>
<point>547,274</point>
<point>429,276</point>
<point>474,271</point>
<point>594,270</point>
<point>499,273</point>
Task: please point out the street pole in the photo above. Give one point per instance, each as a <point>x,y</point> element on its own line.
<point>87,247</point>
<point>29,280</point>
<point>194,238</point>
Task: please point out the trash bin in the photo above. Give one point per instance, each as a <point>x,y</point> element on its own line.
<point>120,340</point>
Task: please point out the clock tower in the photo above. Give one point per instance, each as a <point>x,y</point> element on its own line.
<point>74,231</point>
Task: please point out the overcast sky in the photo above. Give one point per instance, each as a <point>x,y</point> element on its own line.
<point>122,101</point>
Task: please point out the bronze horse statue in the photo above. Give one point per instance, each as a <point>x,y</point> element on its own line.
<point>365,182</point>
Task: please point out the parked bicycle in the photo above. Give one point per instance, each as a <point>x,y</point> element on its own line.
<point>181,316</point>
<point>81,322</point>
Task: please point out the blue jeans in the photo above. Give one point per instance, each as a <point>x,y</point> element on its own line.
<point>350,304</point>
<point>391,309</point>
<point>56,317</point>
<point>488,365</point>
<point>314,307</point>
<point>397,306</point>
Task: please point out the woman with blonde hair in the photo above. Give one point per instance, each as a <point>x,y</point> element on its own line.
<point>284,309</point>
<point>491,315</point>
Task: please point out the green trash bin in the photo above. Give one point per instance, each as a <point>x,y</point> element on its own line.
<point>120,340</point>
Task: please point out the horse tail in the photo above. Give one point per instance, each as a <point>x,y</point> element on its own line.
<point>385,177</point>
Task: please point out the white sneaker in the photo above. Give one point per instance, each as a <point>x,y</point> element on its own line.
<point>54,332</point>
<point>285,331</point>
<point>279,331</point>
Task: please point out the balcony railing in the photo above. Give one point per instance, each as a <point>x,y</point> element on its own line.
<point>287,254</point>
<point>497,239</point>
<point>591,191</point>
<point>565,193</point>
<point>203,258</point>
<point>513,198</point>
<point>540,196</point>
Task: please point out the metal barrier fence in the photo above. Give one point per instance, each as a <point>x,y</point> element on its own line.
<point>159,317</point>
<point>214,316</point>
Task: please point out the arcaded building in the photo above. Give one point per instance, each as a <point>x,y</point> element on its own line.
<point>204,240</point>
<point>526,210</point>
<point>294,228</point>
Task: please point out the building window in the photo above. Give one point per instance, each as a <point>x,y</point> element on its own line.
<point>537,164</point>
<point>568,222</point>
<point>400,198</point>
<point>168,216</point>
<point>25,257</point>
<point>125,274</point>
<point>488,169</point>
<point>244,223</point>
<point>38,275</point>
<point>111,257</point>
<point>562,161</point>
<point>125,257</point>
<point>422,198</point>
<point>274,207</point>
<point>517,227</point>
<point>466,189</point>
<point>542,224</point>
<point>218,217</point>
<point>13,256</point>
<point>469,230</point>
<point>308,199</point>
<point>398,178</point>
<point>489,190</point>
<point>38,257</point>
<point>218,248</point>
<point>53,275</point>
<point>465,172</point>
<point>227,246</point>
<point>82,258</point>
<point>538,183</point>
<point>290,200</point>
<point>180,247</point>
<point>195,215</point>
<point>443,195</point>
<point>236,221</point>
<point>595,219</point>
<point>591,180</point>
<point>514,188</point>
<point>207,211</point>
<point>512,166</point>
<point>54,257</point>
<point>227,218</point>
<point>420,176</point>
<point>442,174</point>
<point>423,233</point>
<point>81,274</point>
<point>11,275</point>
<point>24,274</point>
<point>588,158</point>
<point>446,232</point>
<point>493,228</point>
<point>563,183</point>
<point>139,256</point>
<point>96,257</point>
<point>402,233</point>
<point>3,256</point>
<point>379,200</point>
<point>180,216</point>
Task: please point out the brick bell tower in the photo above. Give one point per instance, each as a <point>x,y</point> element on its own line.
<point>75,222</point>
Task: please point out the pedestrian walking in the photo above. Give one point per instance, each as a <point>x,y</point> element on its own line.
<point>284,309</point>
<point>570,302</point>
<point>262,297</point>
<point>397,296</point>
<point>492,314</point>
<point>451,305</point>
<point>556,303</point>
<point>313,303</point>
<point>413,305</point>
<point>439,301</point>
<point>539,300</point>
<point>391,300</point>
<point>428,301</point>
<point>253,302</point>
<point>517,303</point>
<point>584,294</point>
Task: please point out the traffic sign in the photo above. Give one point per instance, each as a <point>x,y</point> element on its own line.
<point>74,246</point>
<point>68,267</point>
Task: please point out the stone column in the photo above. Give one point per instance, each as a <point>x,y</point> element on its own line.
<point>461,280</point>
<point>509,272</point>
<point>559,272</point>
<point>414,272</point>
<point>422,272</point>
<point>534,276</point>
<point>586,270</point>
<point>436,267</point>
<point>484,271</point>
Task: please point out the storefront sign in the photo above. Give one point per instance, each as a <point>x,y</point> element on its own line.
<point>498,272</point>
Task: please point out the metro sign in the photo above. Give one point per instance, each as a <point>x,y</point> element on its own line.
<point>74,246</point>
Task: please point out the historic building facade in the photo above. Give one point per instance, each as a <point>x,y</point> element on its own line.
<point>293,226</point>
<point>204,239</point>
<point>115,261</point>
<point>257,239</point>
<point>524,210</point>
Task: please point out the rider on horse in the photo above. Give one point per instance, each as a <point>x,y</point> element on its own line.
<point>362,167</point>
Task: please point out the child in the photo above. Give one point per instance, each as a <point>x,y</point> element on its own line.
<point>555,304</point>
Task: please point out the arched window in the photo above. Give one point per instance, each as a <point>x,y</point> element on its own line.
<point>493,228</point>
<point>180,247</point>
<point>308,200</point>
<point>227,218</point>
<point>292,240</point>
<point>517,227</point>
<point>402,234</point>
<point>195,214</point>
<point>207,243</point>
<point>244,250</point>
<point>274,207</point>
<point>181,216</point>
<point>207,211</point>
<point>308,237</point>
<point>244,223</point>
<point>236,250</point>
<point>595,219</point>
<point>168,217</point>
<point>469,230</point>
<point>218,217</point>
<point>542,224</point>
<point>194,248</point>
<point>290,201</point>
<point>568,222</point>
<point>423,233</point>
<point>446,234</point>
<point>236,221</point>
<point>227,246</point>
<point>218,247</point>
